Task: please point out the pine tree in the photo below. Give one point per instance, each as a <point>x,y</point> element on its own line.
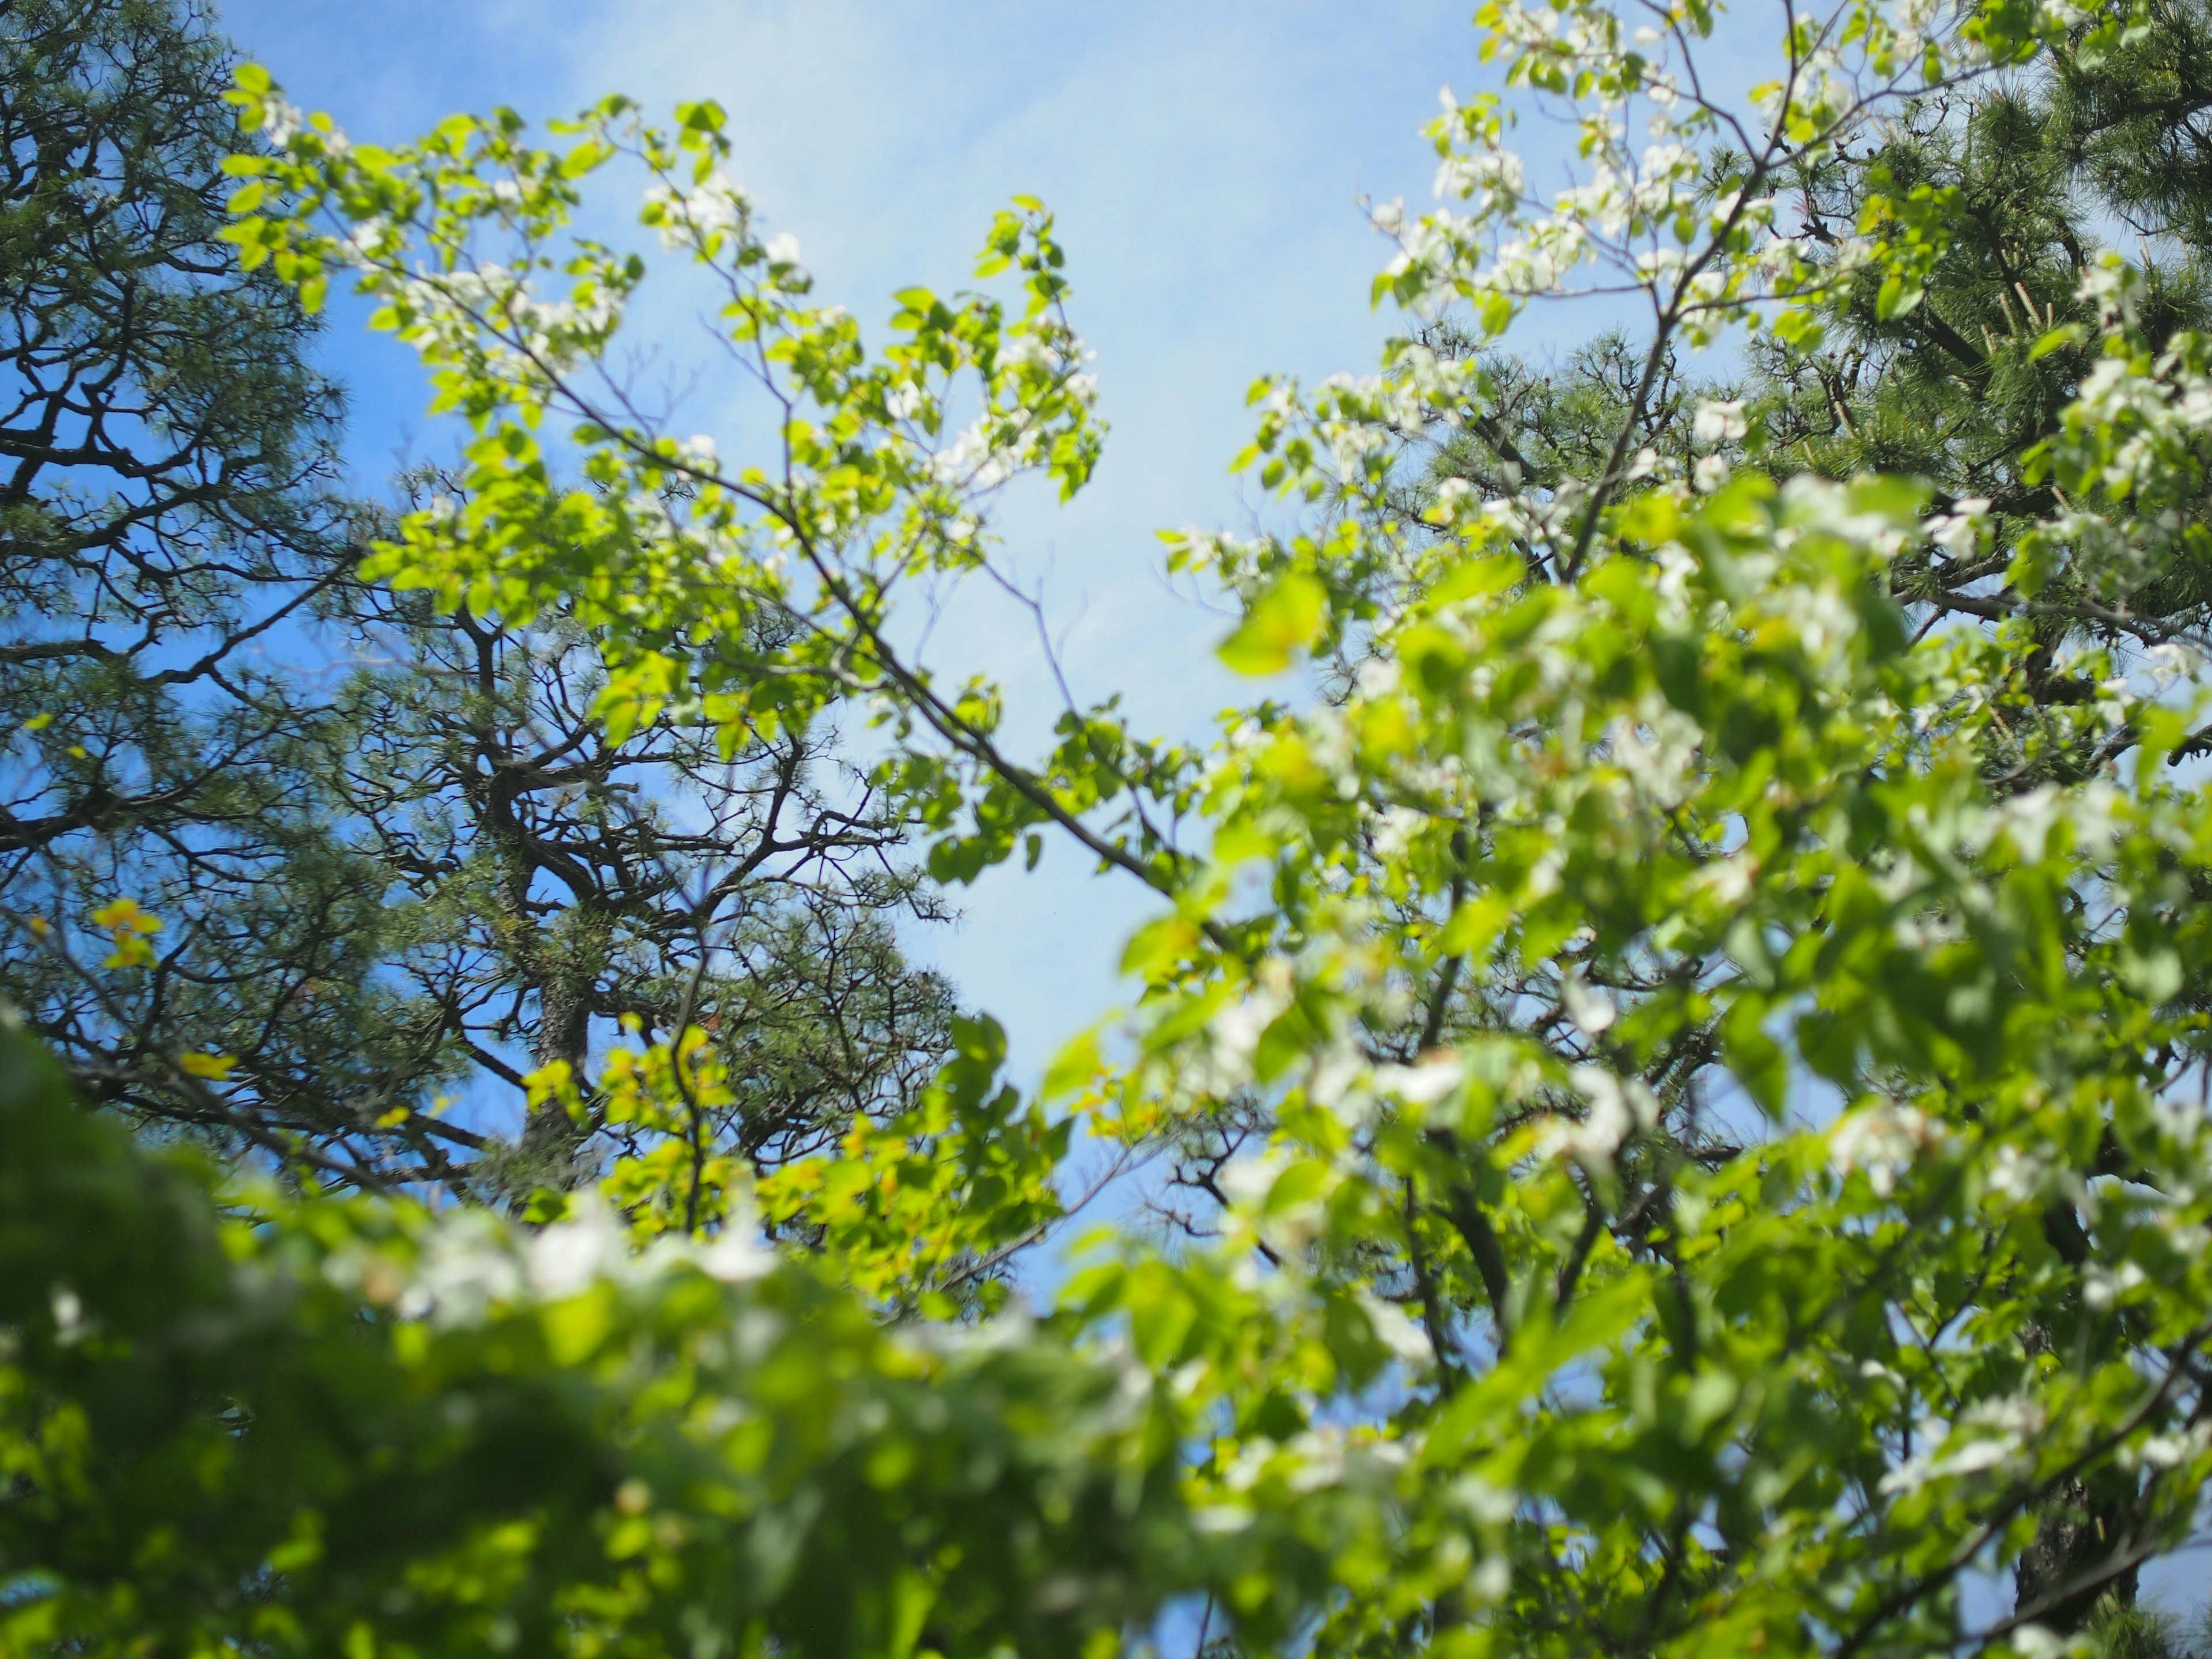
<point>558,885</point>
<point>392,858</point>
<point>170,512</point>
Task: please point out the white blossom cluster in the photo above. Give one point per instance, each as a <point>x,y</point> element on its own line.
<point>468,1264</point>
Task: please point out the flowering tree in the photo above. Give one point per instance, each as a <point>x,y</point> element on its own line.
<point>1711,1145</point>
<point>356,897</point>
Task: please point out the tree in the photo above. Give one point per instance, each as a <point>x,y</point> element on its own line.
<point>171,515</point>
<point>562,884</point>
<point>435,880</point>
<point>1966,382</point>
<point>1695,1084</point>
<point>1964,377</point>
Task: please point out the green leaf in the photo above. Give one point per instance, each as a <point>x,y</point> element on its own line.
<point>2064,335</point>
<point>1281,623</point>
<point>1897,297</point>
<point>1755,1058</point>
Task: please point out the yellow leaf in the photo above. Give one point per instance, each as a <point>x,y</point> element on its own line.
<point>124,915</point>
<point>2064,335</point>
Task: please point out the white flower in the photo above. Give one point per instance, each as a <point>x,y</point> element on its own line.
<point>783,249</point>
<point>973,461</point>
<point>1730,879</point>
<point>366,241</point>
<point>2166,1451</point>
<point>1250,1185</point>
<point>735,1256</point>
<point>468,1266</point>
<point>1617,1107</point>
<point>570,1254</point>
<point>1395,1331</point>
<point>1497,174</point>
<point>1987,1435</point>
<point>1423,1085</point>
<point>2105,1285</point>
<point>1246,1181</point>
<point>1954,531</point>
<point>717,205</point>
<point>1882,1140</point>
<point>281,121</point>
<point>70,1323</point>
<point>1395,831</point>
<point>1720,422</point>
<point>1491,1579</point>
<point>2039,1642</point>
<point>1592,1011</point>
<point>2027,820</point>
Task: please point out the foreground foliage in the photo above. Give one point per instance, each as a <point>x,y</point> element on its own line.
<point>345,1428</point>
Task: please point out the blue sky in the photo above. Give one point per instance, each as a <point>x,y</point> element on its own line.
<point>1204,161</point>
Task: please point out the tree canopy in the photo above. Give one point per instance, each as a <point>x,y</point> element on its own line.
<point>1686,1010</point>
<point>377,859</point>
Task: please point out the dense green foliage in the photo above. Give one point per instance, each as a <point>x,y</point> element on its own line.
<point>345,1428</point>
<point>1693,1024</point>
<point>2020,180</point>
<point>1968,389</point>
